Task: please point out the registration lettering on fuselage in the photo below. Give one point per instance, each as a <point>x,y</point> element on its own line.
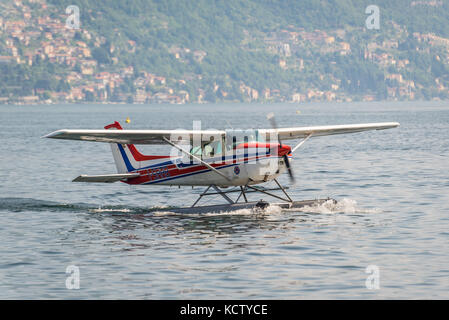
<point>158,173</point>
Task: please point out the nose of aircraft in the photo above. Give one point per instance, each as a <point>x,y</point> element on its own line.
<point>284,149</point>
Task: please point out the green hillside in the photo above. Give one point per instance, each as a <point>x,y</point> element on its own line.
<point>224,50</point>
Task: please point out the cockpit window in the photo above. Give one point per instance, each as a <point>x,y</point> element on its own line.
<point>236,137</point>
<point>233,138</point>
<point>208,149</point>
<point>196,151</point>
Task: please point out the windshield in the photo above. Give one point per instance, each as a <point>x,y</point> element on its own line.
<point>236,137</point>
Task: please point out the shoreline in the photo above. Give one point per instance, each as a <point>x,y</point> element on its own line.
<point>436,100</point>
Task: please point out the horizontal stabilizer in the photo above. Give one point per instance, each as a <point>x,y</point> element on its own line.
<point>106,178</point>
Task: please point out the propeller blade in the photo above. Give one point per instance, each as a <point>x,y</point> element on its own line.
<point>289,168</point>
<point>272,120</point>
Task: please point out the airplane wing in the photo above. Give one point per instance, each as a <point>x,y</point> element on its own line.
<point>106,178</point>
<point>132,136</point>
<point>176,136</point>
<point>316,131</point>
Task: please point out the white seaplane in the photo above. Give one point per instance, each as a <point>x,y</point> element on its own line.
<point>218,159</point>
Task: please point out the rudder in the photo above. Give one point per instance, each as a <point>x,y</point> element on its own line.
<point>119,152</point>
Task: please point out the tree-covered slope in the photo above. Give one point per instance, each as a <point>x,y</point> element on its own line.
<point>225,49</point>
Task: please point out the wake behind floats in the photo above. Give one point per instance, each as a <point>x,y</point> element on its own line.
<point>216,159</point>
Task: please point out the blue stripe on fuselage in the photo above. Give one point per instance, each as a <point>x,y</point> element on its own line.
<point>125,158</point>
<point>179,163</point>
<point>182,175</point>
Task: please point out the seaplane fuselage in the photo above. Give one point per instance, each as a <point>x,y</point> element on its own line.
<point>245,164</point>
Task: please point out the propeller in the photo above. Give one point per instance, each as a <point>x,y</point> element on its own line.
<point>272,120</point>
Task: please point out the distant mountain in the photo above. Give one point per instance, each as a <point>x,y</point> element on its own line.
<point>252,50</point>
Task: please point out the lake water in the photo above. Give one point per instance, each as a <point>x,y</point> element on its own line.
<point>392,214</point>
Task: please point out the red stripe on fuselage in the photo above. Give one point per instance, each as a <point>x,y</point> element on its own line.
<point>281,149</point>
<point>140,157</point>
<point>161,173</point>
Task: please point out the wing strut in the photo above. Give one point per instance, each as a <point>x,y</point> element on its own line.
<point>196,158</point>
<point>302,142</point>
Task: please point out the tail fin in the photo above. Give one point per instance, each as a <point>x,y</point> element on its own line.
<point>127,158</point>
<point>118,151</point>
